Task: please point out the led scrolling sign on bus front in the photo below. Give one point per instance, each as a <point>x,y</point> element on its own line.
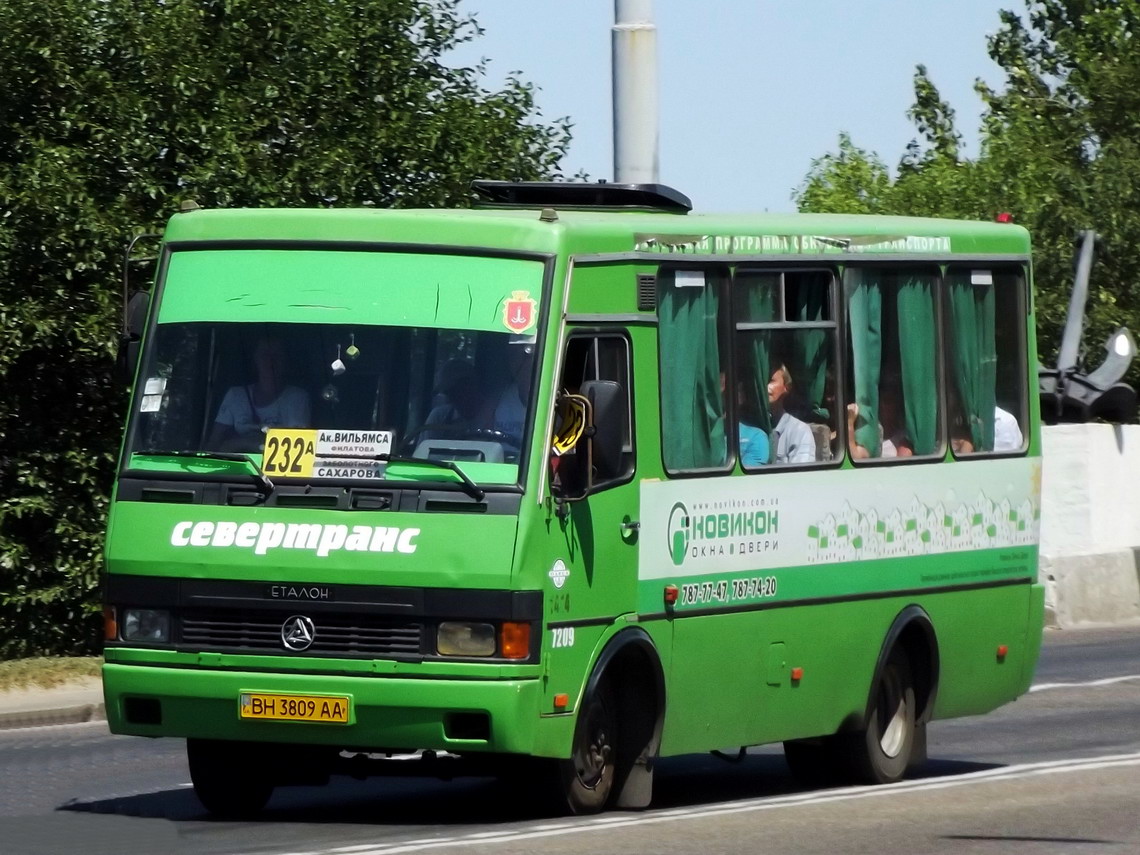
<point>790,244</point>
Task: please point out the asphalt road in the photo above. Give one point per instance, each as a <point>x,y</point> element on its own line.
<point>1056,772</point>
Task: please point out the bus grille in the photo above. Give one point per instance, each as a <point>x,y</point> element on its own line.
<point>340,635</point>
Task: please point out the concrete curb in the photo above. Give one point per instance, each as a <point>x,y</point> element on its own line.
<point>76,714</point>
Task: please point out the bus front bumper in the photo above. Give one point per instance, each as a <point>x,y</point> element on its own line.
<point>387,713</point>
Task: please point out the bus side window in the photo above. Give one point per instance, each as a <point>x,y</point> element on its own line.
<point>985,333</point>
<point>894,399</point>
<point>692,352</point>
<point>784,368</point>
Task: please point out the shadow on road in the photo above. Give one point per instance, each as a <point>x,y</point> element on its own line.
<point>680,782</point>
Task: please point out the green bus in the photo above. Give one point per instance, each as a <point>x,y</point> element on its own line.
<point>569,482</point>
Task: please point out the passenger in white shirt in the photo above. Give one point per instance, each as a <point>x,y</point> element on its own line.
<point>247,411</point>
<point>792,438</point>
<point>1007,433</point>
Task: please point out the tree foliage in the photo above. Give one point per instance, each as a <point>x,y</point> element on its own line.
<point>112,113</point>
<point>1060,151</point>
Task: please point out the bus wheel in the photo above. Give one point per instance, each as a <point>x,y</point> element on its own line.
<point>882,752</point>
<point>587,777</point>
<point>230,778</point>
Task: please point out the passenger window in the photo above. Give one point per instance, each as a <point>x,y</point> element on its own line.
<point>690,312</point>
<point>985,323</point>
<point>893,405</point>
<point>784,377</point>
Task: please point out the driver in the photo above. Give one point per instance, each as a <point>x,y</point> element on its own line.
<point>468,404</point>
<point>459,393</point>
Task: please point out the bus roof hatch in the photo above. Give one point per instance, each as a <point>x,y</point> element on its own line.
<point>568,194</point>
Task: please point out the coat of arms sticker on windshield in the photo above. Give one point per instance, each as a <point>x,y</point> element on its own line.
<point>518,311</point>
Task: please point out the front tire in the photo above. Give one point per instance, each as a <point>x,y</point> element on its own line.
<point>882,752</point>
<point>231,779</point>
<point>586,779</point>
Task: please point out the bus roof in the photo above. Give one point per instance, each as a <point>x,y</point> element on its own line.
<point>600,232</point>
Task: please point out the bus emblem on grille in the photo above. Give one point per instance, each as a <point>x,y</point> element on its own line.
<point>298,632</point>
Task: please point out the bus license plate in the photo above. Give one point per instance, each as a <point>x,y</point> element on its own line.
<point>328,709</point>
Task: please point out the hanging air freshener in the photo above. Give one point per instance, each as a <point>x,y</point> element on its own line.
<point>352,351</point>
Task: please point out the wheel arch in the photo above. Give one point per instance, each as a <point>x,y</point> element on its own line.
<point>913,631</point>
<point>630,661</point>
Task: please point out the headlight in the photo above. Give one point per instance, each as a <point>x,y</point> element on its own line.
<point>145,625</point>
<point>460,638</point>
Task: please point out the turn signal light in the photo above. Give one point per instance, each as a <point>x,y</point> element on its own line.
<point>110,624</point>
<point>561,701</point>
<point>514,640</point>
<point>671,594</point>
<point>797,674</point>
<point>1002,651</point>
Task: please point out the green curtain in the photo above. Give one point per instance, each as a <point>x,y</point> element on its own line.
<point>692,405</point>
<point>864,314</point>
<point>760,307</point>
<point>918,352</point>
<point>810,346</point>
<point>974,356</point>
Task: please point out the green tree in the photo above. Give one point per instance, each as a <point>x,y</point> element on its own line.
<point>1060,150</point>
<point>112,113</point>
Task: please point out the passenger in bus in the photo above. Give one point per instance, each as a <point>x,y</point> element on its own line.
<point>248,411</point>
<point>792,438</point>
<point>894,439</point>
<point>1007,433</point>
<point>754,444</point>
<point>510,405</point>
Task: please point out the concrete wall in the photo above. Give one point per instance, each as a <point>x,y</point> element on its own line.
<point>1090,523</point>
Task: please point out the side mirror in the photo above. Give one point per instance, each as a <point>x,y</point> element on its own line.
<point>607,405</point>
<point>136,306</point>
<point>134,322</point>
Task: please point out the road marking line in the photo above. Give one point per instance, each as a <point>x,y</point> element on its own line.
<point>1004,773</point>
<point>1107,681</point>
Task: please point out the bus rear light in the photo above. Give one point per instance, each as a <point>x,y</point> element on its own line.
<point>110,624</point>
<point>514,640</point>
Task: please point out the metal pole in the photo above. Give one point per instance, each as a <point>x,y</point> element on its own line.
<point>1074,322</point>
<point>635,92</point>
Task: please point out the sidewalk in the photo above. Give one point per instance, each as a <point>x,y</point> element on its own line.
<point>69,704</point>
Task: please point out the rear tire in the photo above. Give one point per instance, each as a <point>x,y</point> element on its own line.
<point>232,779</point>
<point>882,752</point>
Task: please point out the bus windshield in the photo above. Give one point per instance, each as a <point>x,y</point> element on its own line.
<point>329,401</point>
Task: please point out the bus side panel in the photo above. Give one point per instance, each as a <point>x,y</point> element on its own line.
<point>971,626</point>
<point>733,686</point>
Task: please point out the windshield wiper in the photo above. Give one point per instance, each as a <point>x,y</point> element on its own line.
<point>469,487</point>
<point>260,478</point>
